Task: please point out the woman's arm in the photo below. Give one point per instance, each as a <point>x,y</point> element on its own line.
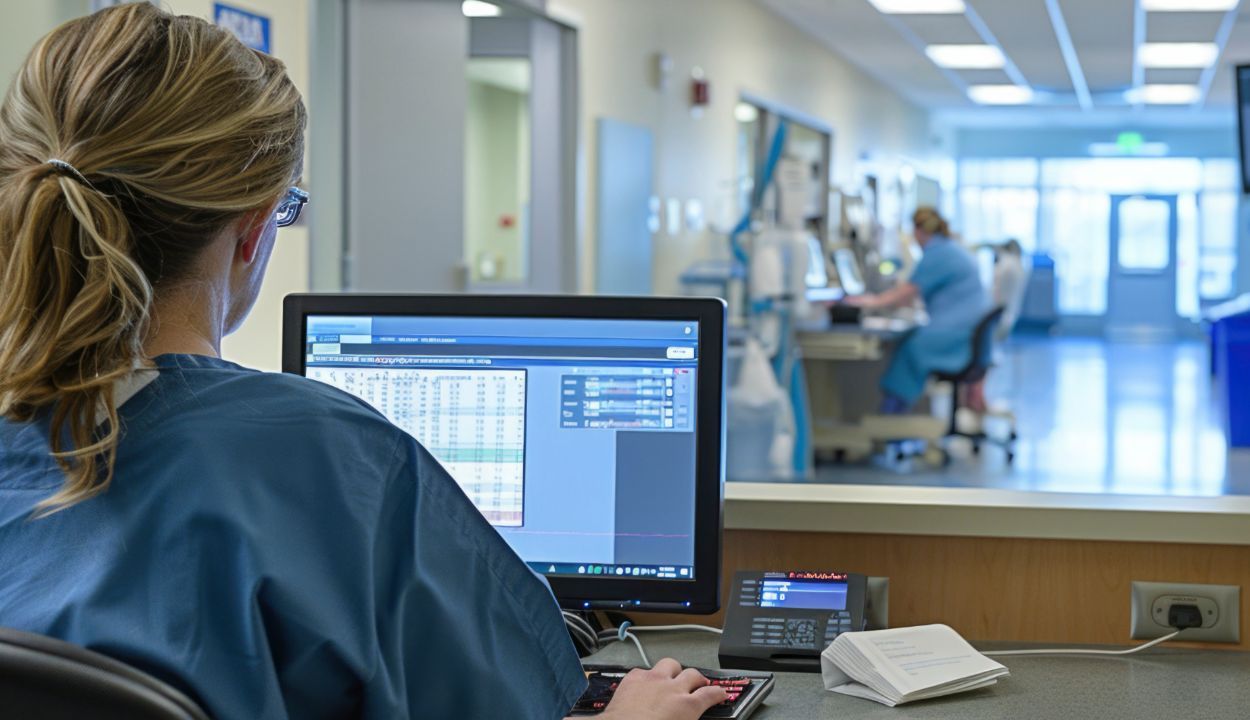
<point>898,296</point>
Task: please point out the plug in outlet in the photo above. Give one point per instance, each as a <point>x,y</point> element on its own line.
<point>1219,605</point>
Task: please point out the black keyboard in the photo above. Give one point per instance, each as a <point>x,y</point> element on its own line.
<point>746,690</point>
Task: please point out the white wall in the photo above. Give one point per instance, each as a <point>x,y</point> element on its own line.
<point>742,47</point>
<point>258,342</point>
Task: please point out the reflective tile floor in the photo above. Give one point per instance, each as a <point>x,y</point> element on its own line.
<point>1093,417</point>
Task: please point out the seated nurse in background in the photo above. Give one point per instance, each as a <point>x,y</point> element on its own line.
<point>947,280</point>
<point>266,543</point>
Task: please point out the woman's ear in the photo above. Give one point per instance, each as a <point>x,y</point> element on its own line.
<point>251,231</point>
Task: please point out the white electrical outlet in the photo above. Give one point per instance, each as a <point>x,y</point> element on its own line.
<point>1219,605</point>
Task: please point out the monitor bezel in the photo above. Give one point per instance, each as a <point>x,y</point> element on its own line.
<point>698,596</point>
<point>1243,152</point>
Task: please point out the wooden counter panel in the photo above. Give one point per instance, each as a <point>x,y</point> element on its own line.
<point>1052,591</point>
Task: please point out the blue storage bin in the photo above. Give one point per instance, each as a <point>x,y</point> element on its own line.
<point>1230,338</point>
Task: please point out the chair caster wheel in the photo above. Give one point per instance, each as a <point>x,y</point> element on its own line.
<point>976,448</point>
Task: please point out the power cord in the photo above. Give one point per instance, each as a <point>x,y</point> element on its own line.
<point>1078,651</point>
<point>1180,616</point>
<point>627,629</point>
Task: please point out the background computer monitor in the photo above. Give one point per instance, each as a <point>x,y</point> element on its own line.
<point>588,430</point>
<point>849,277</point>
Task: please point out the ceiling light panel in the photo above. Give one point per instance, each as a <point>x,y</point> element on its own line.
<point>919,7</point>
<point>1188,5</point>
<point>1000,94</point>
<point>477,8</point>
<point>1164,94</point>
<point>966,57</point>
<point>1177,55</point>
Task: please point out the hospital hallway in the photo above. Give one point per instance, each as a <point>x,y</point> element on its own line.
<point>1093,416</point>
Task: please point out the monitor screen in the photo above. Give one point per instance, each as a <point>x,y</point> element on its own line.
<point>849,277</point>
<point>575,438</point>
<point>1243,123</point>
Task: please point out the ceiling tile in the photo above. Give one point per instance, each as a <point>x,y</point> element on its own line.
<point>1223,92</point>
<point>1182,27</point>
<point>941,29</point>
<point>857,32</point>
<point>1025,32</point>
<point>1102,31</point>
<point>984,77</point>
<point>1173,76</point>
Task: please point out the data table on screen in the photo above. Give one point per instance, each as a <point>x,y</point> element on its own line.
<point>471,420</point>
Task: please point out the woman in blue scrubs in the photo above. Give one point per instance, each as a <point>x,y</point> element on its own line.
<point>947,280</point>
<point>270,545</point>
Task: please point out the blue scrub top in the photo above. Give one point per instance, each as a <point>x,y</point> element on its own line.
<point>277,549</point>
<point>955,301</point>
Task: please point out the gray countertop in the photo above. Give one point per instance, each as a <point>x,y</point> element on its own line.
<point>1158,683</point>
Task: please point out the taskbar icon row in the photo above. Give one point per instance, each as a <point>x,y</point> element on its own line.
<point>659,572</point>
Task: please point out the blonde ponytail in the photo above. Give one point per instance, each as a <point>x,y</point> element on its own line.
<point>129,139</point>
<point>928,219</point>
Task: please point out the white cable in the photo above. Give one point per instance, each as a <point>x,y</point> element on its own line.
<point>638,643</point>
<point>580,621</point>
<point>654,628</point>
<point>590,640</point>
<point>624,633</point>
<point>1061,651</point>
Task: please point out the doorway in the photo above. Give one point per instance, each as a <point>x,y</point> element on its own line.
<point>1141,287</point>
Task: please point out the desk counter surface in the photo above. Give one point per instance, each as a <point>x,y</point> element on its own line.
<point>1159,683</point>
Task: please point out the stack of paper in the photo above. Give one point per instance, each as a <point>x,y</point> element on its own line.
<point>906,664</point>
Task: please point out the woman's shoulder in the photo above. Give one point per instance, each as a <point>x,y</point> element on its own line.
<point>191,386</point>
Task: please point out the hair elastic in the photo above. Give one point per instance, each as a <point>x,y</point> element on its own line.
<point>67,168</point>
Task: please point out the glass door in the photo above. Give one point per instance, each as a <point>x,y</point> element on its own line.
<point>1141,290</point>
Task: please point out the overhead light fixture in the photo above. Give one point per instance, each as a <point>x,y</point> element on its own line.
<point>1188,5</point>
<point>919,7</point>
<point>966,57</point>
<point>1164,94</point>
<point>1000,94</point>
<point>477,8</point>
<point>1178,55</point>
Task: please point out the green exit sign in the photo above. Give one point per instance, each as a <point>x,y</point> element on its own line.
<point>1129,143</point>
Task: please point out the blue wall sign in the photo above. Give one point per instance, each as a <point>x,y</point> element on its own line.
<point>254,30</point>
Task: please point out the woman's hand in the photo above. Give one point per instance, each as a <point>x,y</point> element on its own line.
<point>665,692</point>
<point>860,301</point>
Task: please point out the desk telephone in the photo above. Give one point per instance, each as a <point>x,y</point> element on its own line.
<point>781,621</point>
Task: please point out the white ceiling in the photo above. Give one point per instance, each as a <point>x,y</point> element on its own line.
<point>890,48</point>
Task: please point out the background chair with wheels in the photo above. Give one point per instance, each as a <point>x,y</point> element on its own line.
<point>979,364</point>
<point>42,678</point>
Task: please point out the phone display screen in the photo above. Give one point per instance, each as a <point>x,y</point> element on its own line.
<point>802,593</point>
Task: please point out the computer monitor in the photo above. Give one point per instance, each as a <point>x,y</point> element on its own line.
<point>588,430</point>
<point>849,277</point>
